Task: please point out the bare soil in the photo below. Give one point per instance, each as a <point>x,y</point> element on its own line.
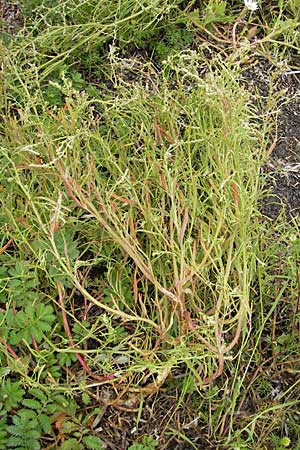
<point>283,165</point>
<point>10,17</point>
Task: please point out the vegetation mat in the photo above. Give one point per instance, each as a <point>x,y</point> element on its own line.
<point>149,279</point>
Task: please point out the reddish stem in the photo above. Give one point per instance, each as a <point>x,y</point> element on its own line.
<point>9,349</point>
<point>34,343</point>
<point>5,247</point>
<point>70,338</point>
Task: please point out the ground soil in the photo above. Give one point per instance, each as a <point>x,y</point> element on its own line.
<point>10,17</point>
<point>283,165</point>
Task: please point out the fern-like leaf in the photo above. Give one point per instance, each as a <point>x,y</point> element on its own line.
<point>3,433</point>
<point>37,393</point>
<point>31,403</point>
<point>45,423</point>
<point>71,444</point>
<point>25,431</point>
<point>93,443</point>
<point>11,394</point>
<point>33,321</point>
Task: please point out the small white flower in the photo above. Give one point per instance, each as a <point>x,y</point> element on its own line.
<point>251,5</point>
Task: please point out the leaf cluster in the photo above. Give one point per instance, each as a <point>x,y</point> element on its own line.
<point>36,413</point>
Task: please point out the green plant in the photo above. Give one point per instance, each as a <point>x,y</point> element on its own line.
<point>89,442</point>
<point>11,394</point>
<point>25,431</point>
<point>34,321</point>
<point>214,11</point>
<point>66,246</point>
<point>3,432</point>
<point>35,412</point>
<point>148,443</point>
<point>174,40</point>
<point>133,252</point>
<point>19,283</point>
<point>282,443</point>
<point>60,85</point>
<point>61,30</point>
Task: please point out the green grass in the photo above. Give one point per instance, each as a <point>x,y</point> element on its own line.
<point>134,258</point>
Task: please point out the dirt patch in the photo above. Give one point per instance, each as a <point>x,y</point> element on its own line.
<point>285,159</point>
<point>170,424</point>
<point>283,166</point>
<point>10,17</point>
